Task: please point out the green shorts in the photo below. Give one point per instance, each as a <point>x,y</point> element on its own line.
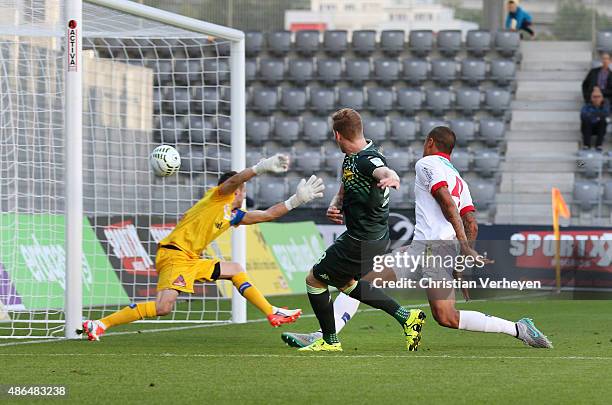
<point>348,259</point>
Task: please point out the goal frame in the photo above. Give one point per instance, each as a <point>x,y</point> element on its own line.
<point>73,132</point>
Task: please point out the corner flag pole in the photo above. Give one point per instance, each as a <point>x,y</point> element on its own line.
<point>559,207</point>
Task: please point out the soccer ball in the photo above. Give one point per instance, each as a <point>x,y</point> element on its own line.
<point>165,161</point>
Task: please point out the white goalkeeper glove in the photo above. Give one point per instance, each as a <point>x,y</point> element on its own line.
<point>275,164</point>
<point>306,192</point>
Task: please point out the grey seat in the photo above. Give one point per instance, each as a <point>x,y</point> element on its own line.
<point>350,98</point>
<point>300,71</point>
<point>392,42</point>
<point>503,71</point>
<point>492,131</point>
<point>399,160</point>
<point>421,42</point>
<point>258,130</point>
<point>465,130</point>
<point>473,71</point>
<point>218,160</point>
<point>590,163</point>
<point>293,100</point>
<point>497,101</point>
<point>286,131</point>
<point>415,71</point>
<point>206,100</point>
<point>270,191</point>
<point>265,100</point>
<point>462,159</point>
<point>250,70</point>
<point>483,194</point>
<point>254,43</point>
<point>399,198</point>
<point>507,43</point>
<point>307,42</point>
<point>409,101</point>
<point>163,72</point>
<point>375,129</point>
<point>279,42</point>
<point>187,72</point>
<point>386,71</point>
<point>607,193</point>
<point>192,162</point>
<point>329,71</point>
<point>403,131</point>
<point>201,129</point>
<point>176,100</point>
<point>478,42</point>
<point>216,71</point>
<point>333,160</point>
<point>322,100</point>
<point>331,189</point>
<point>224,130</point>
<point>253,156</point>
<point>586,194</point>
<point>449,42</point>
<point>443,71</point>
<point>604,41</point>
<point>335,42</point>
<point>363,42</point>
<point>271,71</point>
<point>407,182</point>
<point>438,100</point>
<point>486,162</point>
<point>467,100</point>
<point>308,160</point>
<point>357,71</point>
<point>380,100</point>
<point>316,130</point>
<point>169,129</point>
<point>428,124</point>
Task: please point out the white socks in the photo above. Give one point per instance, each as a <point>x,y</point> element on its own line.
<point>345,308</point>
<point>479,322</point>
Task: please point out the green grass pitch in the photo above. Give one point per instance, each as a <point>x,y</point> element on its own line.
<point>250,364</point>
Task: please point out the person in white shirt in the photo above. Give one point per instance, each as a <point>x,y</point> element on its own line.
<point>445,225</point>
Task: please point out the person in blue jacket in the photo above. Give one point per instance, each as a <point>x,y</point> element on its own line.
<point>593,119</point>
<point>518,19</point>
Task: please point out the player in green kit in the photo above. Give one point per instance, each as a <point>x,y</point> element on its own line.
<point>363,204</point>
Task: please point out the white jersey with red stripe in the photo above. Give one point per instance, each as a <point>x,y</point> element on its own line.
<point>433,172</point>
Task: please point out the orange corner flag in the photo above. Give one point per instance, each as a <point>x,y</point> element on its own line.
<point>559,204</point>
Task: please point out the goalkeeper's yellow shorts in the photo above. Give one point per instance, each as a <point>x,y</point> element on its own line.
<point>179,271</point>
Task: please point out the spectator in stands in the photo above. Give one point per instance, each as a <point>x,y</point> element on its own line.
<point>593,119</point>
<point>598,77</point>
<point>518,19</point>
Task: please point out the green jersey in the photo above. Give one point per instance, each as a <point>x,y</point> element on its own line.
<point>365,206</point>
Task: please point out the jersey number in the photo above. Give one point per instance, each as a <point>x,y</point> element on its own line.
<point>457,190</point>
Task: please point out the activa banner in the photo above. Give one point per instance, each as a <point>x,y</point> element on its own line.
<point>34,260</point>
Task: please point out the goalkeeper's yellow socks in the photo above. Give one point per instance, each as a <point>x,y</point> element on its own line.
<point>131,313</point>
<point>251,293</point>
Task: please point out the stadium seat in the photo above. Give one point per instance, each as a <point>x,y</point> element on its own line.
<point>375,129</point>
<point>316,130</point>
<point>333,160</point>
<point>421,42</point>
<point>386,71</point>
<point>403,131</point>
<point>443,71</point>
<point>449,42</point>
<point>350,98</point>
<point>465,130</point>
<point>399,159</point>
<point>503,72</point>
<point>392,42</point>
<point>308,160</point>
<point>507,43</point>
<point>467,100</point>
<point>270,191</point>
<point>271,71</point>
<point>279,43</point>
<point>157,100</point>
<point>224,130</point>
<point>462,159</point>
<point>497,101</point>
<point>253,156</point>
<point>169,129</point>
<point>286,131</point>
<point>586,194</point>
<point>331,189</point>
<point>307,42</point>
<point>357,71</point>
<point>399,198</point>
<point>604,41</point>
<point>258,130</point>
<point>216,71</point>
<point>428,124</point>
<point>163,72</point>
<point>483,194</point>
<point>486,162</point>
<point>329,71</point>
<point>250,70</point>
<point>200,129</point>
<point>223,47</point>
<point>407,182</point>
<point>293,100</point>
<point>415,71</point>
<point>192,161</point>
<point>473,71</point>
<point>254,43</point>
<point>225,98</point>
<point>300,71</point>
<point>492,131</point>
<point>335,42</point>
<point>187,72</point>
<point>209,99</point>
<point>176,100</point>
<point>322,101</point>
<point>478,42</point>
<point>265,100</point>
<point>438,100</point>
<point>607,193</point>
<point>380,100</point>
<point>363,42</point>
<point>409,101</point>
<point>590,163</point>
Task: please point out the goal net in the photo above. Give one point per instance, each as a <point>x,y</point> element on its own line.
<point>149,77</point>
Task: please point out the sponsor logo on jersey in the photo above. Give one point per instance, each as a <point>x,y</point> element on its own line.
<point>180,281</point>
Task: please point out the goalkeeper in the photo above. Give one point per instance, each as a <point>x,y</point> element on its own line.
<point>178,259</point>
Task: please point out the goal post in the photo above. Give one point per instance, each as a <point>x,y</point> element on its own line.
<point>80,211</point>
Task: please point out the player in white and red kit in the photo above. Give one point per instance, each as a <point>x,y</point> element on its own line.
<point>445,225</point>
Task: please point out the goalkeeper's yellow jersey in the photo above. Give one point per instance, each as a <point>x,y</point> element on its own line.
<point>204,222</point>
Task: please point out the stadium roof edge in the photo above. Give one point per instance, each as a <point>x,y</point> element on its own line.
<point>167,17</point>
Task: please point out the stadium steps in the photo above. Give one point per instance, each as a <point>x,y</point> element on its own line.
<point>545,122</point>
